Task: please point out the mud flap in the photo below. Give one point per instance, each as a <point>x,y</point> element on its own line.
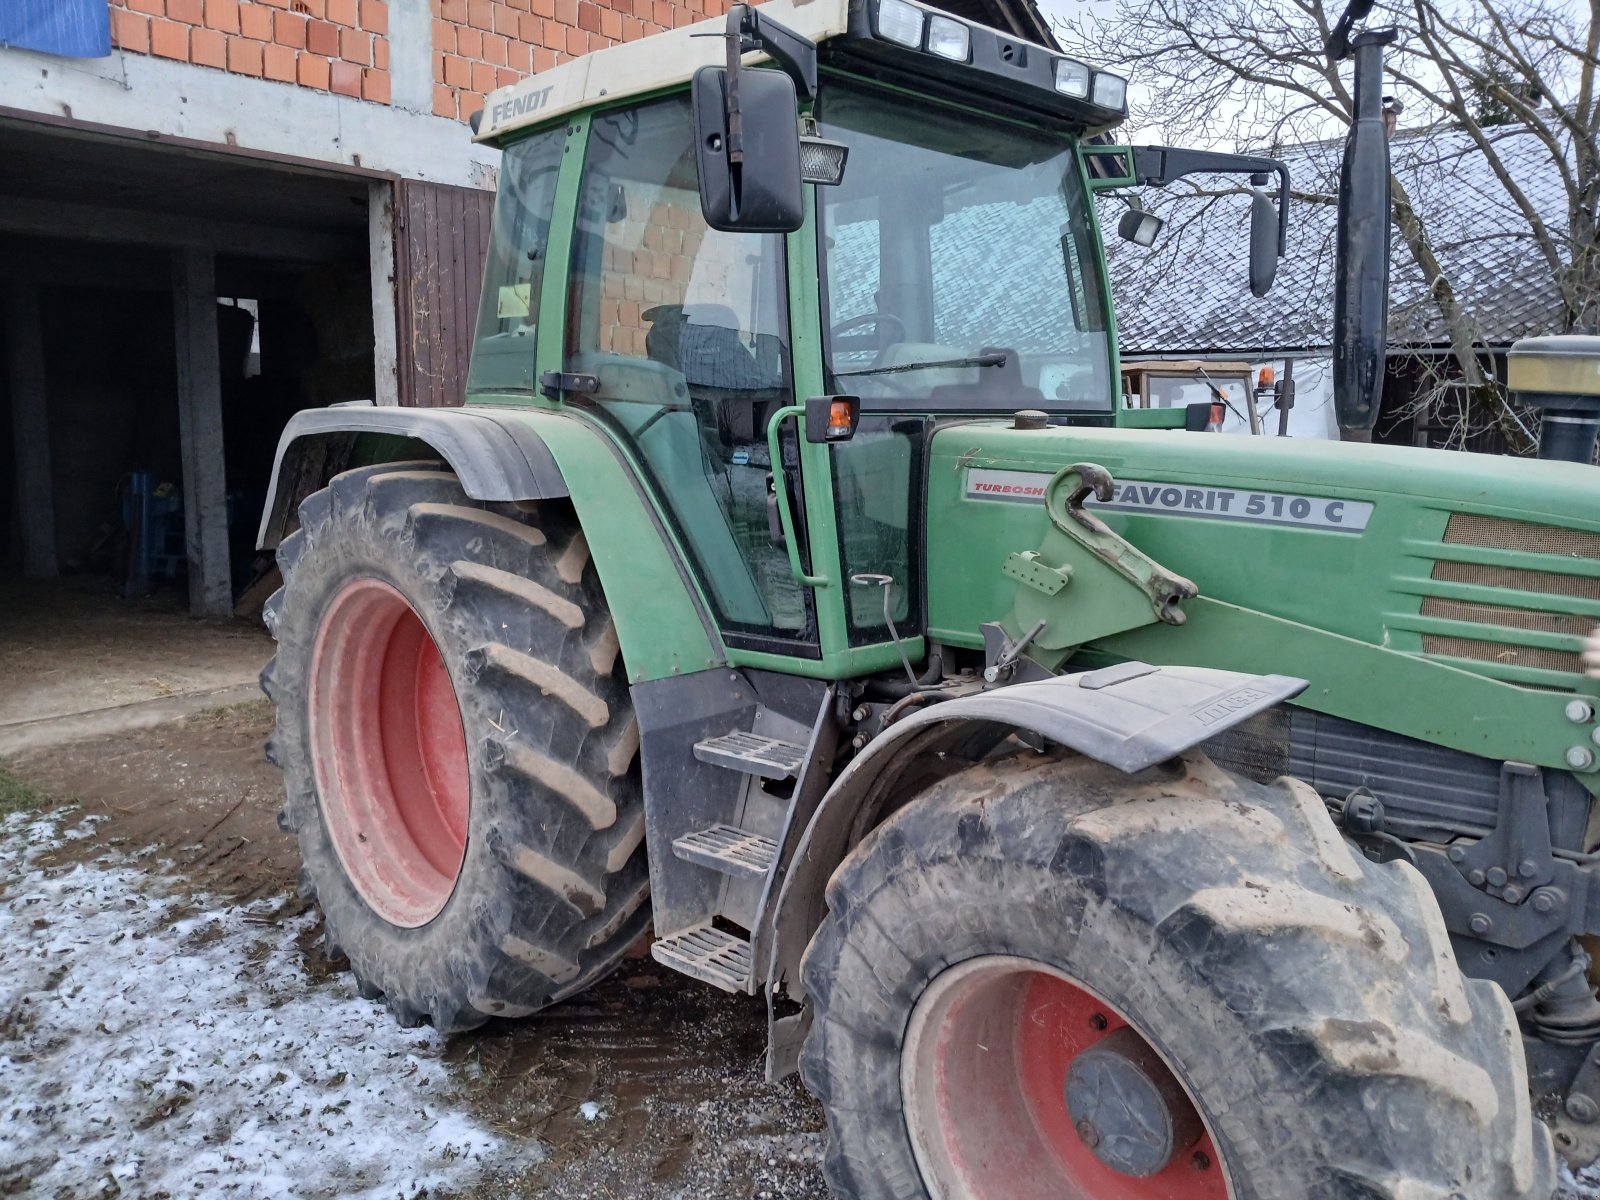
<point>1131,716</point>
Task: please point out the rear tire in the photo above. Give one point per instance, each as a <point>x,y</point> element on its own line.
<point>1307,1001</point>
<point>458,747</point>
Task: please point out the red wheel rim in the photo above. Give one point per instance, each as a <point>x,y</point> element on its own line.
<point>389,753</point>
<point>982,1079</point>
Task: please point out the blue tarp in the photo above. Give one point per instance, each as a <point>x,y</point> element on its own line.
<point>70,28</point>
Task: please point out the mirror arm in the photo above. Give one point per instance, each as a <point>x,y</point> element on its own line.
<point>1157,166</point>
<point>747,31</point>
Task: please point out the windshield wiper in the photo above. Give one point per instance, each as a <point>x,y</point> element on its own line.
<point>977,360</point>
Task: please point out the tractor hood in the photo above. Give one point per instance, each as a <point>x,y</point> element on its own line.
<point>1489,564</point>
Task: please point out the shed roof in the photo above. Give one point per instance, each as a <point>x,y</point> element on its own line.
<point>1189,293</point>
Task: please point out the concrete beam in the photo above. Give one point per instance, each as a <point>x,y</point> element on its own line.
<point>155,97</point>
<point>137,227</point>
<point>385,314</point>
<point>205,488</point>
<point>411,55</point>
<point>30,423</point>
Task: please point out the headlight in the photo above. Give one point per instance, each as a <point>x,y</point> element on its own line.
<point>900,22</point>
<point>1111,91</point>
<point>1072,78</point>
<point>949,39</point>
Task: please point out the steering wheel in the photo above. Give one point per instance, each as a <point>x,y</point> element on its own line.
<point>842,343</point>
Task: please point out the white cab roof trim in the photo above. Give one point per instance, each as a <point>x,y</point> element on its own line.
<point>633,68</point>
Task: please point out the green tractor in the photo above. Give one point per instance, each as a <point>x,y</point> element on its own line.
<point>1103,809</point>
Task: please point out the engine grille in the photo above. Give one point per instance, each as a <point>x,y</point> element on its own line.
<point>1450,631</point>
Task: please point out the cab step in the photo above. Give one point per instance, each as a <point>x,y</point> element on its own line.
<point>728,849</point>
<point>752,754</point>
<point>708,954</point>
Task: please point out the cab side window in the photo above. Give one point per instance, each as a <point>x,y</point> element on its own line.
<point>686,330</point>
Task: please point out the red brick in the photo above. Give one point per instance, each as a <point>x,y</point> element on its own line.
<point>530,28</point>
<point>480,14</point>
<point>279,63</point>
<point>543,59</point>
<point>187,11</point>
<point>632,30</point>
<point>380,53</point>
<point>289,29</point>
<point>505,77</point>
<point>222,15</point>
<point>130,31</point>
<point>444,36</point>
<point>469,103</point>
<point>454,11</point>
<point>469,43</point>
<point>355,46</point>
<point>505,19</point>
<point>345,78</point>
<point>284,4</point>
<point>494,49</point>
<point>611,24</point>
<point>322,38</point>
<point>208,48</point>
<point>374,16</point>
<point>315,9</point>
<point>342,12</point>
<point>457,71</point>
<point>521,5</point>
<point>444,101</point>
<point>588,17</point>
<point>482,77</point>
<point>519,57</point>
<point>543,8</point>
<point>169,39</point>
<point>155,8</point>
<point>244,56</point>
<point>312,72</point>
<point>375,85</point>
<point>663,14</point>
<point>256,22</point>
<point>567,12</point>
<point>554,35</point>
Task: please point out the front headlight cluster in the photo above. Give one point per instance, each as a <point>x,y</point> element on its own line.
<point>917,28</point>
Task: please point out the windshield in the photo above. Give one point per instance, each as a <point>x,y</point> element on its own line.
<point>959,265</point>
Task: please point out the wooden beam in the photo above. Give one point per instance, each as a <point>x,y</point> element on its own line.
<point>205,488</point>
<point>30,423</point>
<point>385,315</point>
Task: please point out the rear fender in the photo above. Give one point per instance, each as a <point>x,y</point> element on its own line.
<point>495,455</point>
<point>1130,716</point>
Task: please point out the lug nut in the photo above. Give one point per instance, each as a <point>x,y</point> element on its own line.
<point>1480,924</point>
<point>1580,758</point>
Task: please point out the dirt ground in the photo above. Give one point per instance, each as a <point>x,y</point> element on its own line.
<point>650,1086</point>
<point>70,649</point>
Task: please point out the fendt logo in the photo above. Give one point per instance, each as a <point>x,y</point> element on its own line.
<point>526,103</point>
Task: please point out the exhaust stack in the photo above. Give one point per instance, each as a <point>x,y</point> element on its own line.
<point>1560,375</point>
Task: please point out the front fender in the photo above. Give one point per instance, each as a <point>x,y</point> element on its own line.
<point>1131,716</point>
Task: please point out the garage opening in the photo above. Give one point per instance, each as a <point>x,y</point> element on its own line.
<point>166,310</point>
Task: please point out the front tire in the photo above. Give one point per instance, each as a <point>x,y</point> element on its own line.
<point>458,746</point>
<point>1302,1005</point>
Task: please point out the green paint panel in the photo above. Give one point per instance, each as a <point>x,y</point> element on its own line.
<point>1339,604</point>
<point>658,624</point>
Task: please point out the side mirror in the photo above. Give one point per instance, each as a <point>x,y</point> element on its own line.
<point>748,159</point>
<point>832,418</point>
<point>1139,227</point>
<point>1263,243</point>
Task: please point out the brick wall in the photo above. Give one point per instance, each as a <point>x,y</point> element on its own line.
<point>342,46</point>
<point>479,45</point>
<point>339,46</point>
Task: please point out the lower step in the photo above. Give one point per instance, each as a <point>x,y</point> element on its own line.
<point>708,954</point>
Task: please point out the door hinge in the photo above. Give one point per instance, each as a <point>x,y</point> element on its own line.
<point>556,384</point>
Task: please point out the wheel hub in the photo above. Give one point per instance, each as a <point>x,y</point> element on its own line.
<point>389,753</point>
<point>1019,1081</point>
<point>1127,1107</point>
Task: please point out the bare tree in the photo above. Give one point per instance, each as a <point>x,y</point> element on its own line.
<point>1500,71</point>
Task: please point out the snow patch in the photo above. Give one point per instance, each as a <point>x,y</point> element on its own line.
<point>148,1047</point>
